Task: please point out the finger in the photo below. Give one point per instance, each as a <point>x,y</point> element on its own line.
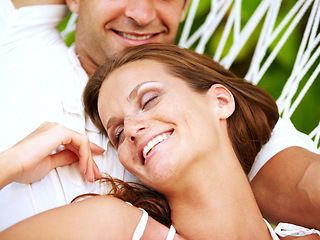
<point>90,172</point>
<point>63,158</point>
<point>96,170</point>
<point>67,157</point>
<point>85,158</point>
<point>79,144</point>
<point>96,149</point>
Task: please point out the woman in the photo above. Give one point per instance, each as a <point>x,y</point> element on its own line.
<point>182,124</point>
<point>187,128</point>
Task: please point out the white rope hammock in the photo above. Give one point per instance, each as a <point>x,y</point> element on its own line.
<point>272,37</point>
<point>264,54</point>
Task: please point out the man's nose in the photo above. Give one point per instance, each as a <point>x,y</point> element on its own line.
<point>141,11</point>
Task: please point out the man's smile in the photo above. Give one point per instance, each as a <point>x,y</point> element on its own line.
<point>135,36</point>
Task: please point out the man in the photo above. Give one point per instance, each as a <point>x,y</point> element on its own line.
<point>42,80</point>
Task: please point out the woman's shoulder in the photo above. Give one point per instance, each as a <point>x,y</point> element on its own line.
<point>99,217</point>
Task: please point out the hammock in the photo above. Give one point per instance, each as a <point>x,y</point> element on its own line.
<point>226,32</point>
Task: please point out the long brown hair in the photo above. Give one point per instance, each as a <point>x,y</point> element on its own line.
<point>256,112</point>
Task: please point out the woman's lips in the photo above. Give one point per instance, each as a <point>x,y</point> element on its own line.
<point>154,142</point>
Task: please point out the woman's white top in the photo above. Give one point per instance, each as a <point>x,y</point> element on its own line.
<point>142,226</point>
<point>287,229</point>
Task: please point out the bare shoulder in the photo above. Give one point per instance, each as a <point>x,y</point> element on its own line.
<point>103,204</point>
<point>101,217</point>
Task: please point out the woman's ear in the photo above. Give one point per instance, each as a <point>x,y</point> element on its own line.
<point>185,10</point>
<point>224,98</point>
<point>73,5</point>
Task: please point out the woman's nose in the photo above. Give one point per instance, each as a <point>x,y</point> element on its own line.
<point>141,11</point>
<point>134,127</point>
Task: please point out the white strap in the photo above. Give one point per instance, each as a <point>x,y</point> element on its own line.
<point>171,233</point>
<point>287,229</point>
<point>272,233</point>
<point>141,226</point>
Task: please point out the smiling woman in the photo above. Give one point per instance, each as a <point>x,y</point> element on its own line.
<point>142,101</point>
<point>253,106</point>
<point>195,160</point>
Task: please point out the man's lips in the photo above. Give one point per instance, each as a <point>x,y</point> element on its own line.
<point>137,37</point>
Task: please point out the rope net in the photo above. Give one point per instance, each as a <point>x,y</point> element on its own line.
<point>227,31</point>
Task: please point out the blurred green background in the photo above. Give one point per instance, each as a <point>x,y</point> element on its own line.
<point>307,115</point>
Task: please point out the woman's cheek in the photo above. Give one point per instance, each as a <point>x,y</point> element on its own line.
<point>125,157</point>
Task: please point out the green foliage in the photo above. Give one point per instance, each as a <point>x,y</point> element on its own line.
<point>69,39</point>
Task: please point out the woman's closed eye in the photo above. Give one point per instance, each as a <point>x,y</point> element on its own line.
<point>148,99</point>
<point>118,135</point>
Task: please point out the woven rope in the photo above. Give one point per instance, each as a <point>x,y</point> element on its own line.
<point>271,39</point>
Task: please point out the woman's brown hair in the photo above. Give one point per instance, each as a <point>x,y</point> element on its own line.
<point>255,115</point>
<point>138,195</point>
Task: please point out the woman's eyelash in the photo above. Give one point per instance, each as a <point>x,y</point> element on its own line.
<point>149,101</point>
<point>118,135</point>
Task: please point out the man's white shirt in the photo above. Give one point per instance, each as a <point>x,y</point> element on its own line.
<point>41,79</point>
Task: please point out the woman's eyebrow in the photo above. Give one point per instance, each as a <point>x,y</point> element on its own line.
<point>134,92</point>
<point>131,96</point>
<point>111,121</point>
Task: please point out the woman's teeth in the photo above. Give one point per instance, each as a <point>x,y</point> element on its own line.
<point>152,143</point>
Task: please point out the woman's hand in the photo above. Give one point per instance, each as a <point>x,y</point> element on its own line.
<point>31,159</point>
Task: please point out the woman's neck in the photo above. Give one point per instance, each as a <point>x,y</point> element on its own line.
<point>221,206</point>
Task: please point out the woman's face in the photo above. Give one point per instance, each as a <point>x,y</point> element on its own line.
<point>162,129</point>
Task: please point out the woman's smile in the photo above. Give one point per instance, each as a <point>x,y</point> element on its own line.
<point>147,150</point>
<point>146,112</point>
